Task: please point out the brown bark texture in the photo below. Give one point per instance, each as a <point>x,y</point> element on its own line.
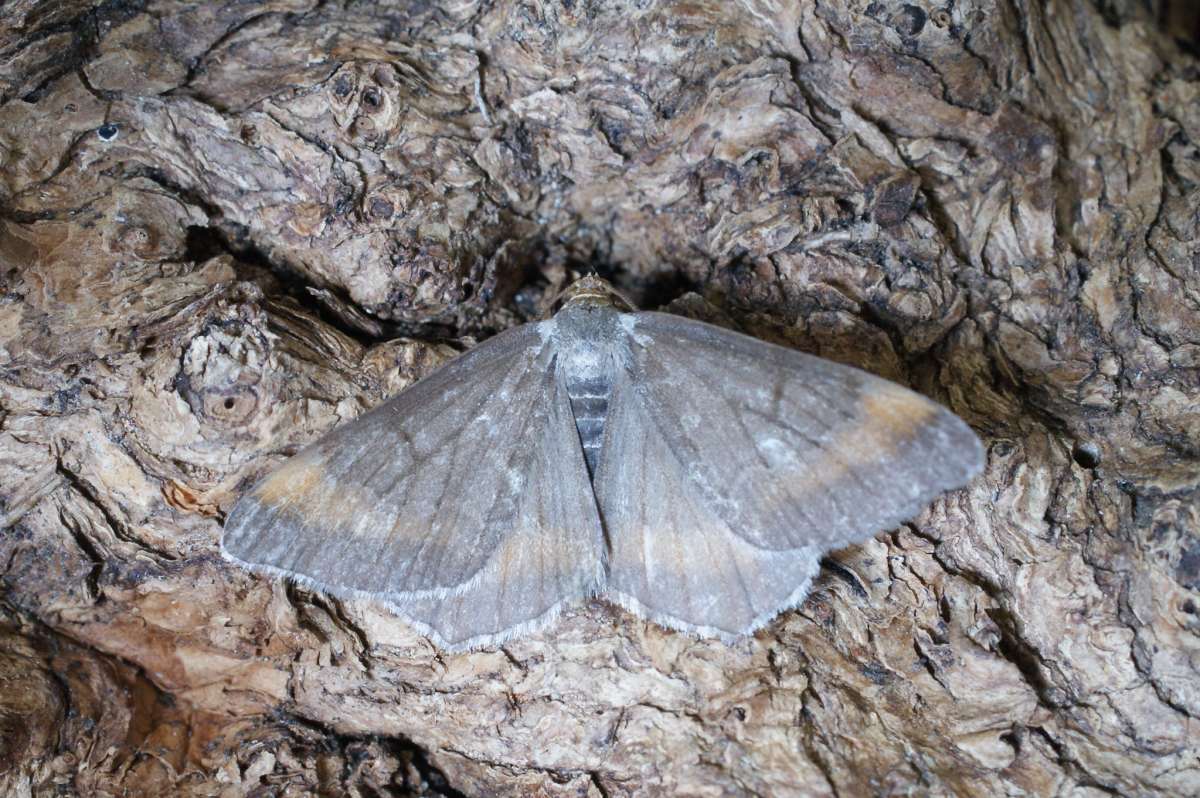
<point>228,227</point>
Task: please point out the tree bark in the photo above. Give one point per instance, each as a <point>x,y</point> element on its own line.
<point>229,227</point>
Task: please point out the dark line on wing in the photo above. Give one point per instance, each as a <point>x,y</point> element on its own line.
<point>733,411</point>
<point>675,454</point>
<point>817,444</point>
<point>537,454</point>
<point>741,579</point>
<point>522,426</point>
<point>521,457</point>
<point>814,442</point>
<point>679,460</point>
<point>362,451</point>
<point>440,446</point>
<point>304,545</point>
<point>776,398</point>
<point>848,416</point>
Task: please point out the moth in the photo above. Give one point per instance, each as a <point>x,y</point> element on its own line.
<point>690,474</point>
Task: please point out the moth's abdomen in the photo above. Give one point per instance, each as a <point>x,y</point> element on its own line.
<point>589,405</point>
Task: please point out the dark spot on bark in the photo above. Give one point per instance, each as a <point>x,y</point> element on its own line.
<point>846,575</point>
<point>911,20</point>
<point>614,133</point>
<point>202,243</point>
<point>1187,573</point>
<point>658,289</point>
<point>520,141</point>
<point>893,201</point>
<point>65,400</point>
<point>364,127</point>
<point>342,86</point>
<point>1019,141</point>
<point>381,208</point>
<point>1086,454</point>
<point>341,207</point>
<point>876,673</point>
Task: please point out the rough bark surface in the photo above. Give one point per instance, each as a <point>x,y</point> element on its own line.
<point>228,227</point>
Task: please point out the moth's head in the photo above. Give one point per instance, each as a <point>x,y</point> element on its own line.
<point>591,290</point>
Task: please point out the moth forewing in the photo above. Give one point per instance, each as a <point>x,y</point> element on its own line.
<point>467,489</point>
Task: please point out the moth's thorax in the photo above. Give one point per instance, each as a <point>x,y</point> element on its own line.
<point>586,335</point>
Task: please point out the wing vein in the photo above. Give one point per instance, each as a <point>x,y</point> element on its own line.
<point>683,467</point>
<point>455,453</point>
